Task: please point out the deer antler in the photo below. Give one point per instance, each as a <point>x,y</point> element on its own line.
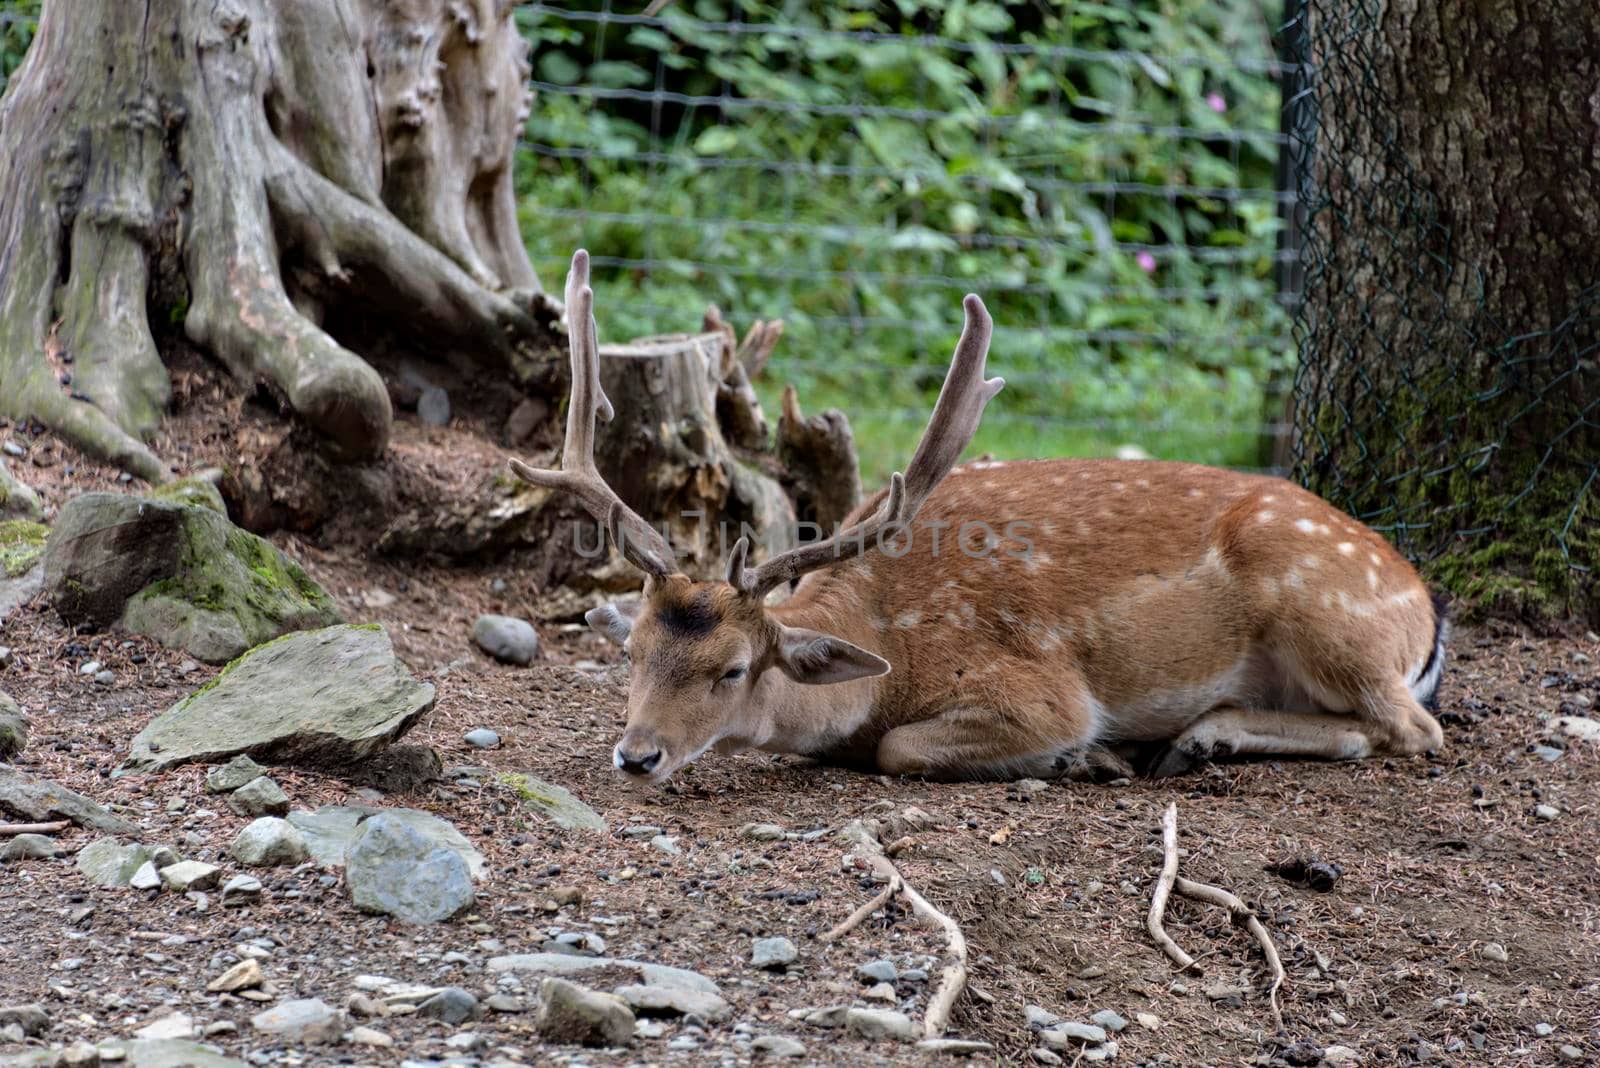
<point>641,544</point>
<point>949,431</point>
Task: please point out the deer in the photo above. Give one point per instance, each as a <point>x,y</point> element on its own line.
<point>1075,614</point>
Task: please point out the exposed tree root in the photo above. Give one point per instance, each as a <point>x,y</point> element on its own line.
<point>1238,911</point>
<point>11,830</point>
<point>868,852</point>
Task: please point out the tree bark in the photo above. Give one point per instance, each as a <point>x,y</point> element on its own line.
<point>1448,391</point>
<point>246,167</point>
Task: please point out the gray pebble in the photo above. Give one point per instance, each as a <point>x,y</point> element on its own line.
<point>482,738</point>
<point>878,971</point>
<point>433,407</point>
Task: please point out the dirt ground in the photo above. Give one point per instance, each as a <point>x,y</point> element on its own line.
<point>1441,857</point>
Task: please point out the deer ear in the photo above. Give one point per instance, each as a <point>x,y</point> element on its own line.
<point>615,621</point>
<point>814,658</point>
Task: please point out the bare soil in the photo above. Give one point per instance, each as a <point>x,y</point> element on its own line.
<point>1440,856</point>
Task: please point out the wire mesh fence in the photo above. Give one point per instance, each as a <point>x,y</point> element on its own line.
<point>1108,180</point>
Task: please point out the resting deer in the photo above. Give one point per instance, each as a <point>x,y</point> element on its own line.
<point>1071,611</point>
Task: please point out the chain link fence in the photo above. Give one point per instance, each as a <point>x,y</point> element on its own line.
<point>1108,180</point>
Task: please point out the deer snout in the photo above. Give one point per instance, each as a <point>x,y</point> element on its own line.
<point>636,756</point>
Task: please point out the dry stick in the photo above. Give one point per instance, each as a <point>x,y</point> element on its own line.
<point>855,919</point>
<point>1158,902</point>
<point>8,830</point>
<point>1242,914</point>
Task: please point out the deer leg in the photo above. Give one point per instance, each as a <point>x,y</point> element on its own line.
<point>1242,732</point>
<point>975,742</point>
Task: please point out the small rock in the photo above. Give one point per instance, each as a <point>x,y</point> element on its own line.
<point>1543,1030</point>
<point>1571,1053</point>
<point>504,1003</point>
<point>1338,1019</point>
<point>1581,727</point>
<point>1340,1055</point>
<point>1068,1034</point>
<point>433,407</point>
<point>641,831</point>
<point>13,724</point>
<point>190,875</point>
<point>1148,1020</point>
<point>779,1046</point>
<point>146,878</point>
<point>881,992</point>
<point>1044,1056</point>
<point>266,842</point>
<point>30,847</point>
<point>878,971</point>
<point>574,1014</point>
<point>235,773</point>
<point>369,1036</point>
<point>1109,1020</point>
<point>667,843</point>
<point>80,1055</point>
<point>242,976</point>
<point>880,1024</point>
<point>832,1016</point>
<point>525,418</point>
<point>105,678</point>
<point>508,640</point>
<point>763,832</point>
<point>453,1005</point>
<point>90,668</point>
<point>661,1000</point>
<point>683,1044</point>
<point>1546,812</point>
<point>30,1019</point>
<point>176,1025</point>
<point>481,738</point>
<point>1039,1018</point>
<point>259,797</point>
<point>1494,951</point>
<point>241,890</point>
<point>303,1020</point>
<point>393,867</point>
<point>773,953</point>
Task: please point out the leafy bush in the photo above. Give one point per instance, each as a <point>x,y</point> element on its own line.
<point>1101,173</point>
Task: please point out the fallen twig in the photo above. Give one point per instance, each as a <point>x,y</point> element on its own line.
<point>10,830</point>
<point>1214,895</point>
<point>1158,901</point>
<point>953,977</point>
<point>1242,915</point>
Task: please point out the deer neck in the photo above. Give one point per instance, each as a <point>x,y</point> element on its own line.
<point>811,720</point>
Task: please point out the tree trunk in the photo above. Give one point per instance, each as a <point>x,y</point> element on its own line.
<point>254,168</point>
<point>1449,391</point>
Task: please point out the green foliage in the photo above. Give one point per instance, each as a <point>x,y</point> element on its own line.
<point>1101,173</point>
<point>17,21</point>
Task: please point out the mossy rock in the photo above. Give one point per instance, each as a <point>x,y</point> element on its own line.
<point>178,572</point>
<point>17,501</point>
<point>22,543</point>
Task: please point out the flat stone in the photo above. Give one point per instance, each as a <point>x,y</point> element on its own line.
<point>433,406</point>
<point>880,1024</point>
<point>878,971</point>
<point>191,875</point>
<point>1571,1053</point>
<point>174,1025</point>
<point>1340,1055</point>
<point>1151,1022</point>
<point>31,1019</point>
<point>369,1036</point>
<point>773,953</point>
<point>1068,1034</point>
<point>1546,812</point>
<point>1110,1020</point>
<point>30,847</point>
<point>329,830</point>
<point>13,728</point>
<point>269,841</point>
<point>228,777</point>
<point>17,499</point>
<point>763,832</point>
<point>1495,952</point>
<point>179,572</point>
<point>675,1001</point>
<point>556,803</point>
<point>1039,1018</point>
<point>259,797</point>
<point>778,1046</point>
<point>1579,727</point>
<point>323,697</point>
<point>452,1005</point>
<point>481,738</point>
<point>393,867</point>
<point>107,862</point>
<point>574,1014</point>
<point>31,799</point>
<point>508,640</point>
<point>303,1020</point>
<point>241,890</point>
<point>146,878</point>
<point>560,964</point>
<point>164,1053</point>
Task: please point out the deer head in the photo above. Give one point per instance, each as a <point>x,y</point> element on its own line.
<point>711,660</point>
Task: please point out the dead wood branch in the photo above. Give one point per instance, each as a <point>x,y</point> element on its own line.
<point>11,830</point>
<point>1239,912</point>
<point>953,977</point>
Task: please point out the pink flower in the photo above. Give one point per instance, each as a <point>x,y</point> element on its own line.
<point>1216,102</point>
<point>1146,262</point>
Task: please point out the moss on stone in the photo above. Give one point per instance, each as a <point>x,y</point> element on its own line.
<point>196,492</point>
<point>21,545</point>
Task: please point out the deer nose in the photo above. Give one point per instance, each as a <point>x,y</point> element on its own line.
<point>636,763</point>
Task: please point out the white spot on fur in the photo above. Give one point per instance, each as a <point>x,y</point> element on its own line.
<point>1033,561</point>
<point>1142,483</point>
<point>1372,578</point>
<point>1265,517</point>
<point>1268,498</point>
<point>907,619</point>
<point>1374,559</point>
<point>1293,579</point>
<point>1270,585</point>
<point>1346,548</point>
<point>1305,526</point>
<point>1311,562</point>
<point>1118,486</point>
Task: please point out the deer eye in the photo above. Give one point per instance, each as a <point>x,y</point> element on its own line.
<point>733,674</point>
